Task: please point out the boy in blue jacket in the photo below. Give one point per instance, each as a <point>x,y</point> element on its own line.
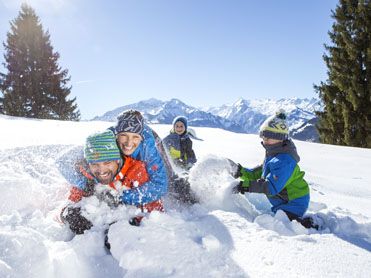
<point>280,177</point>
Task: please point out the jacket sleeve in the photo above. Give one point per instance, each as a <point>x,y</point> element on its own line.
<point>68,164</point>
<point>191,156</point>
<point>166,141</point>
<point>169,145</point>
<point>251,174</point>
<point>280,169</point>
<point>157,185</point>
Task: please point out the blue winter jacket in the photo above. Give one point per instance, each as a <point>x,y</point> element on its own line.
<point>157,185</point>
<point>281,179</point>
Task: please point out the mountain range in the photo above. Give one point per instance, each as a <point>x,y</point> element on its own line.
<point>243,116</point>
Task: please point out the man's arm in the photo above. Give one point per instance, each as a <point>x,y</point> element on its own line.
<point>69,164</point>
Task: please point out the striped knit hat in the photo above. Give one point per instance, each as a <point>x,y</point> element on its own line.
<point>101,147</point>
<point>275,127</point>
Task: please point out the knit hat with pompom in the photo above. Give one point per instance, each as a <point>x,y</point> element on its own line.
<point>275,127</point>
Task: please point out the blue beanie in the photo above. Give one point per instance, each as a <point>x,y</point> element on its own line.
<point>181,119</point>
<point>101,147</point>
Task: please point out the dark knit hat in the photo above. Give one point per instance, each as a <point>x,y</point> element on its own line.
<point>182,119</point>
<point>275,127</point>
<point>101,147</point>
<point>130,121</point>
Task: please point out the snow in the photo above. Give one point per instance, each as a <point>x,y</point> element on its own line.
<point>225,235</point>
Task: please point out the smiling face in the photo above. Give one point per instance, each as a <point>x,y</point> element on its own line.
<point>179,128</point>
<point>104,171</point>
<point>128,142</point>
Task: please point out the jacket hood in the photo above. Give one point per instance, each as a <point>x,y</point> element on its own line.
<point>287,146</point>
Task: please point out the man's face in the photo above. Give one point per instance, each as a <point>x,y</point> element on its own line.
<point>179,128</point>
<point>104,171</point>
<point>128,142</point>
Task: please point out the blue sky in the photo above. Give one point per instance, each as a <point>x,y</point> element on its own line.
<point>203,52</point>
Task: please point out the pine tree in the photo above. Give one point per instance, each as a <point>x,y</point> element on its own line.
<point>1,105</point>
<point>346,118</point>
<point>34,86</point>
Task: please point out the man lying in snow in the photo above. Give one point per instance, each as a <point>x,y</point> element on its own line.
<point>109,177</point>
<point>279,177</point>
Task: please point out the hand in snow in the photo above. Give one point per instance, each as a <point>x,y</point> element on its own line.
<point>112,201</point>
<point>241,187</point>
<point>189,166</point>
<point>237,172</point>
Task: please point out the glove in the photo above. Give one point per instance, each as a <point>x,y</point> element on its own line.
<point>189,166</point>
<point>106,196</point>
<point>180,162</point>
<point>241,187</point>
<point>238,172</point>
<point>78,223</point>
<point>135,221</point>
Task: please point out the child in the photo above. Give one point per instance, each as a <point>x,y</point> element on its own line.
<point>279,177</point>
<point>179,144</point>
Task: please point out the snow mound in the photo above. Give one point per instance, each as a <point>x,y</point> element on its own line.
<point>225,235</point>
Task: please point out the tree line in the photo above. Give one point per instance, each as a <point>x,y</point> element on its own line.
<point>346,117</point>
<point>36,87</point>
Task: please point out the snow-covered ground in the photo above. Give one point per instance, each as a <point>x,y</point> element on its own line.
<point>224,236</point>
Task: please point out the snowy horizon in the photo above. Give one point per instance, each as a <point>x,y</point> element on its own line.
<point>225,235</point>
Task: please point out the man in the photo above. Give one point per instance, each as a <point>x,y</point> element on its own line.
<point>107,176</point>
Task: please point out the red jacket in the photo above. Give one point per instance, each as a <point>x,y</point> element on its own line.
<point>132,174</point>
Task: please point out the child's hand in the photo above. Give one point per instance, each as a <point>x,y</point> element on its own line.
<point>241,187</point>
<point>189,166</point>
<point>237,172</point>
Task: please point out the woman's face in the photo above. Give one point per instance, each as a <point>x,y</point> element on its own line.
<point>128,142</point>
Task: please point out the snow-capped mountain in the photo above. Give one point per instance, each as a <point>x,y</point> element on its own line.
<point>250,114</point>
<point>163,112</point>
<point>243,116</point>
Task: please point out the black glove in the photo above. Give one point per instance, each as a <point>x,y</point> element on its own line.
<point>180,162</point>
<point>241,187</point>
<point>237,173</point>
<point>78,223</point>
<point>135,221</point>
